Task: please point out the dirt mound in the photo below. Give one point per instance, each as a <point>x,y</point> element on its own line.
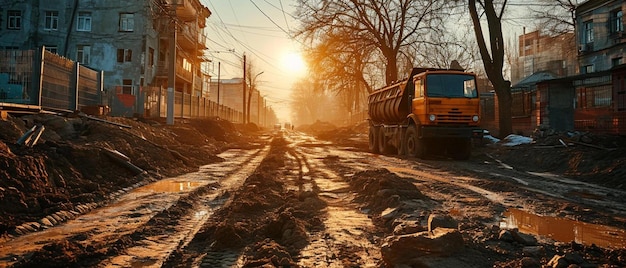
<point>80,160</point>
<point>593,158</point>
<point>351,136</point>
<point>317,127</point>
<point>380,189</point>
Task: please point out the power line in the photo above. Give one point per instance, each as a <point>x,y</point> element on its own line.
<point>269,18</point>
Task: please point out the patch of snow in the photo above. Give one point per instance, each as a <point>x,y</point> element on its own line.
<point>514,140</point>
<point>491,139</point>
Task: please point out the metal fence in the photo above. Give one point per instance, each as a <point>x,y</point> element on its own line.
<point>48,81</point>
<point>185,106</point>
<point>613,123</point>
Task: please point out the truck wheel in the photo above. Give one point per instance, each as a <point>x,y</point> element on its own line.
<point>383,148</point>
<point>413,145</point>
<point>373,139</point>
<point>400,143</point>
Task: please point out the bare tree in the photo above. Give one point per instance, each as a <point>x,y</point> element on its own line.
<point>445,48</point>
<point>555,17</point>
<point>251,80</point>
<point>493,57</point>
<point>386,25</point>
<point>342,64</point>
<point>305,102</point>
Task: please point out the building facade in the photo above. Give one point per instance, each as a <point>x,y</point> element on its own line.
<point>540,53</point>
<point>600,35</point>
<point>230,95</point>
<point>127,40</point>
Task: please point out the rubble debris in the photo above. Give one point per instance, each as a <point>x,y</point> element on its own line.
<point>123,160</point>
<point>31,137</point>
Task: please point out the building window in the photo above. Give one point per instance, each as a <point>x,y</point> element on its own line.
<point>84,22</point>
<point>594,97</point>
<point>51,20</point>
<point>14,19</point>
<point>186,65</point>
<point>127,22</point>
<point>151,56</point>
<point>616,61</point>
<point>616,21</point>
<point>124,55</point>
<point>53,49</point>
<point>83,54</point>
<point>602,96</point>
<point>127,87</point>
<point>588,34</point>
<point>587,69</point>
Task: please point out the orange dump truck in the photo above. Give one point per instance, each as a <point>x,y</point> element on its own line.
<point>433,111</point>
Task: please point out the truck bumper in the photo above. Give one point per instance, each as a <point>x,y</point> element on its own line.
<point>450,132</point>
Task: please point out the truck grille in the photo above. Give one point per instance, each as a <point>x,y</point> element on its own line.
<point>453,118</point>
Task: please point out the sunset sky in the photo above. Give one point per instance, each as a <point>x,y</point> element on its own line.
<point>260,29</point>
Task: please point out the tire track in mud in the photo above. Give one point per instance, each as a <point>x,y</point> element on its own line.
<point>293,211</point>
<point>143,225</point>
<point>505,186</point>
<point>159,241</point>
<point>348,234</point>
<point>553,186</point>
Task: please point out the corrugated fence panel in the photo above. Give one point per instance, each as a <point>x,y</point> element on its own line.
<point>56,91</point>
<point>88,93</point>
<point>16,77</point>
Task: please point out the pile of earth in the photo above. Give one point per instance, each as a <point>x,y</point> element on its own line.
<point>80,162</point>
<point>594,158</point>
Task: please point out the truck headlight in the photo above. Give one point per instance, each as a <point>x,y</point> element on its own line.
<point>475,118</point>
<point>432,117</point>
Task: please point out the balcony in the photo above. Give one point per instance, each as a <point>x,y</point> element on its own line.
<point>190,10</point>
<point>181,73</point>
<point>188,37</point>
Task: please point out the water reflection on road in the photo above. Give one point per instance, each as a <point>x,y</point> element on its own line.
<point>564,230</point>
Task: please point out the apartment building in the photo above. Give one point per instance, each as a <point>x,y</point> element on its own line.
<point>127,40</point>
<point>600,35</point>
<point>539,52</point>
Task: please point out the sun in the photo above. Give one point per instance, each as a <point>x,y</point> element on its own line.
<point>293,62</point>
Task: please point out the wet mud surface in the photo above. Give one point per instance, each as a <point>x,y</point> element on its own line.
<point>290,199</point>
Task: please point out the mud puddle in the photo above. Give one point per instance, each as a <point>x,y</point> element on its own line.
<point>564,230</point>
<point>170,186</point>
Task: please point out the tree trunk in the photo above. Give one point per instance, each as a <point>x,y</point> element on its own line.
<point>493,60</point>
<point>505,102</point>
<point>391,70</point>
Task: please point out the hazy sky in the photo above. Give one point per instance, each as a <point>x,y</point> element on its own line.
<point>258,28</point>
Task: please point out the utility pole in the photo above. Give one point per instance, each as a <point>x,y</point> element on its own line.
<point>253,87</point>
<point>243,93</point>
<point>171,82</point>
<point>219,64</point>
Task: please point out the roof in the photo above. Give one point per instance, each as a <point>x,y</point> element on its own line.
<point>535,78</point>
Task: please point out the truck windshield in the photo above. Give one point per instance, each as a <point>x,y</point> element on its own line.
<point>451,86</point>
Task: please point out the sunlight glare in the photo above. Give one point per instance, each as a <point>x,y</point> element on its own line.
<point>293,62</point>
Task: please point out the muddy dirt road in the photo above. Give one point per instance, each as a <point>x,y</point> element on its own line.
<point>295,201</point>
